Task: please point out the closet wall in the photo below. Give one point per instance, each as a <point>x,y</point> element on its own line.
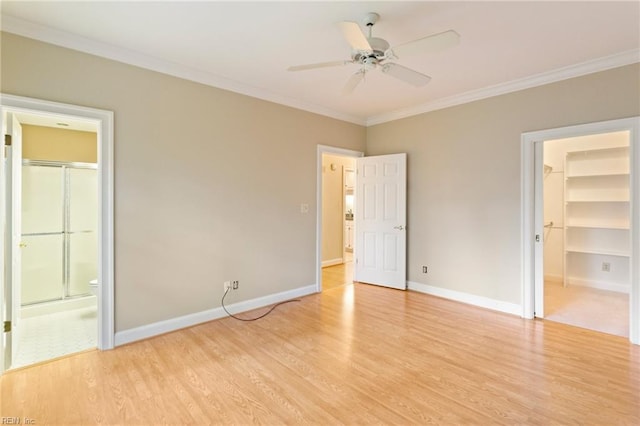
<point>586,211</point>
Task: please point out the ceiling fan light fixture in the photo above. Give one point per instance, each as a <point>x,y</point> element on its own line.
<point>369,63</point>
<point>371,52</point>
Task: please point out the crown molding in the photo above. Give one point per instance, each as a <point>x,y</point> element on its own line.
<point>602,64</point>
<point>50,35</point>
<point>72,41</point>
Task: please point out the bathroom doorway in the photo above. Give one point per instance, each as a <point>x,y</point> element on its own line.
<point>58,263</point>
<point>87,255</point>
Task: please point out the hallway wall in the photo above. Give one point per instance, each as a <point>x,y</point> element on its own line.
<point>333,207</point>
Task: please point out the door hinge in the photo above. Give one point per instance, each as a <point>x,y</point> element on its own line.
<point>537,238</point>
<point>7,140</point>
<point>7,326</point>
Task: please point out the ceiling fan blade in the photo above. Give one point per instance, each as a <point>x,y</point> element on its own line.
<point>353,81</point>
<point>354,36</point>
<point>318,65</point>
<point>406,74</point>
<point>432,43</point>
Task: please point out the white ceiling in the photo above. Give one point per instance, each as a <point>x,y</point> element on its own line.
<point>247,46</point>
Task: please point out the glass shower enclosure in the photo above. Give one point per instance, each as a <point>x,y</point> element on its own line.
<point>59,230</point>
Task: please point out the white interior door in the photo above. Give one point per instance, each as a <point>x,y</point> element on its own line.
<point>11,172</point>
<point>5,348</point>
<point>16,229</point>
<point>380,220</point>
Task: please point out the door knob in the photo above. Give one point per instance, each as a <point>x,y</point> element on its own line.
<point>400,227</point>
<point>22,245</point>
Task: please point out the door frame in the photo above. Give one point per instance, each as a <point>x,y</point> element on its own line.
<point>531,207</point>
<point>104,121</point>
<point>325,149</point>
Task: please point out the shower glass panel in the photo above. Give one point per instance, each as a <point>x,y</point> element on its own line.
<point>82,262</point>
<point>42,236</point>
<point>59,222</point>
<point>42,271</point>
<point>82,226</point>
<point>42,199</point>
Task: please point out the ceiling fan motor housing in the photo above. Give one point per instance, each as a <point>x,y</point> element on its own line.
<point>379,46</point>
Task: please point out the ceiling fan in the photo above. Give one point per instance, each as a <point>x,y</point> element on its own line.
<point>372,52</point>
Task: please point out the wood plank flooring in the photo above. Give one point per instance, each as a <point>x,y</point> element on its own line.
<point>354,354</point>
<point>337,275</point>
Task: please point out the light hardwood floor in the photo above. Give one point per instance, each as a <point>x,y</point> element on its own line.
<point>337,275</point>
<point>353,354</point>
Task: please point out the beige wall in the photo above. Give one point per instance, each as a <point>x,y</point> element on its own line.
<point>48,143</point>
<point>203,194</point>
<point>333,205</point>
<point>464,176</point>
<point>208,183</point>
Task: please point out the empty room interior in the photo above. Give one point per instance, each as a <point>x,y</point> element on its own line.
<point>320,212</point>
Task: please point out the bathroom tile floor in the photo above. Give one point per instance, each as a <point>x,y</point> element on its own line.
<point>53,335</point>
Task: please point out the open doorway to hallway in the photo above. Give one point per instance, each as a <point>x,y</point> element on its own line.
<point>338,204</point>
<point>586,186</point>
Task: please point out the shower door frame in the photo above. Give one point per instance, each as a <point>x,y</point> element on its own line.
<point>64,165</point>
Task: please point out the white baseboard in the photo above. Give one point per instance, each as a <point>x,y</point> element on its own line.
<point>166,326</point>
<point>601,285</point>
<point>331,262</point>
<point>470,299</point>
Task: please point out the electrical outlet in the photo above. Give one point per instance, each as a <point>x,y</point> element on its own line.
<point>606,267</point>
<point>424,269</point>
<point>227,286</point>
<point>235,284</point>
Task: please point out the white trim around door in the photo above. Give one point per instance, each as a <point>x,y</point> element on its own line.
<point>104,122</point>
<point>530,226</point>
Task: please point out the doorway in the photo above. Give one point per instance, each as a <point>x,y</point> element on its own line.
<point>587,232</point>
<point>601,240</point>
<point>336,204</point>
<point>21,306</point>
<point>59,257</point>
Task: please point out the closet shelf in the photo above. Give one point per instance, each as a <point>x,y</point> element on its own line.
<point>600,252</point>
<point>599,201</point>
<point>599,226</point>
<point>596,213</point>
<point>621,150</point>
<point>598,175</point>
